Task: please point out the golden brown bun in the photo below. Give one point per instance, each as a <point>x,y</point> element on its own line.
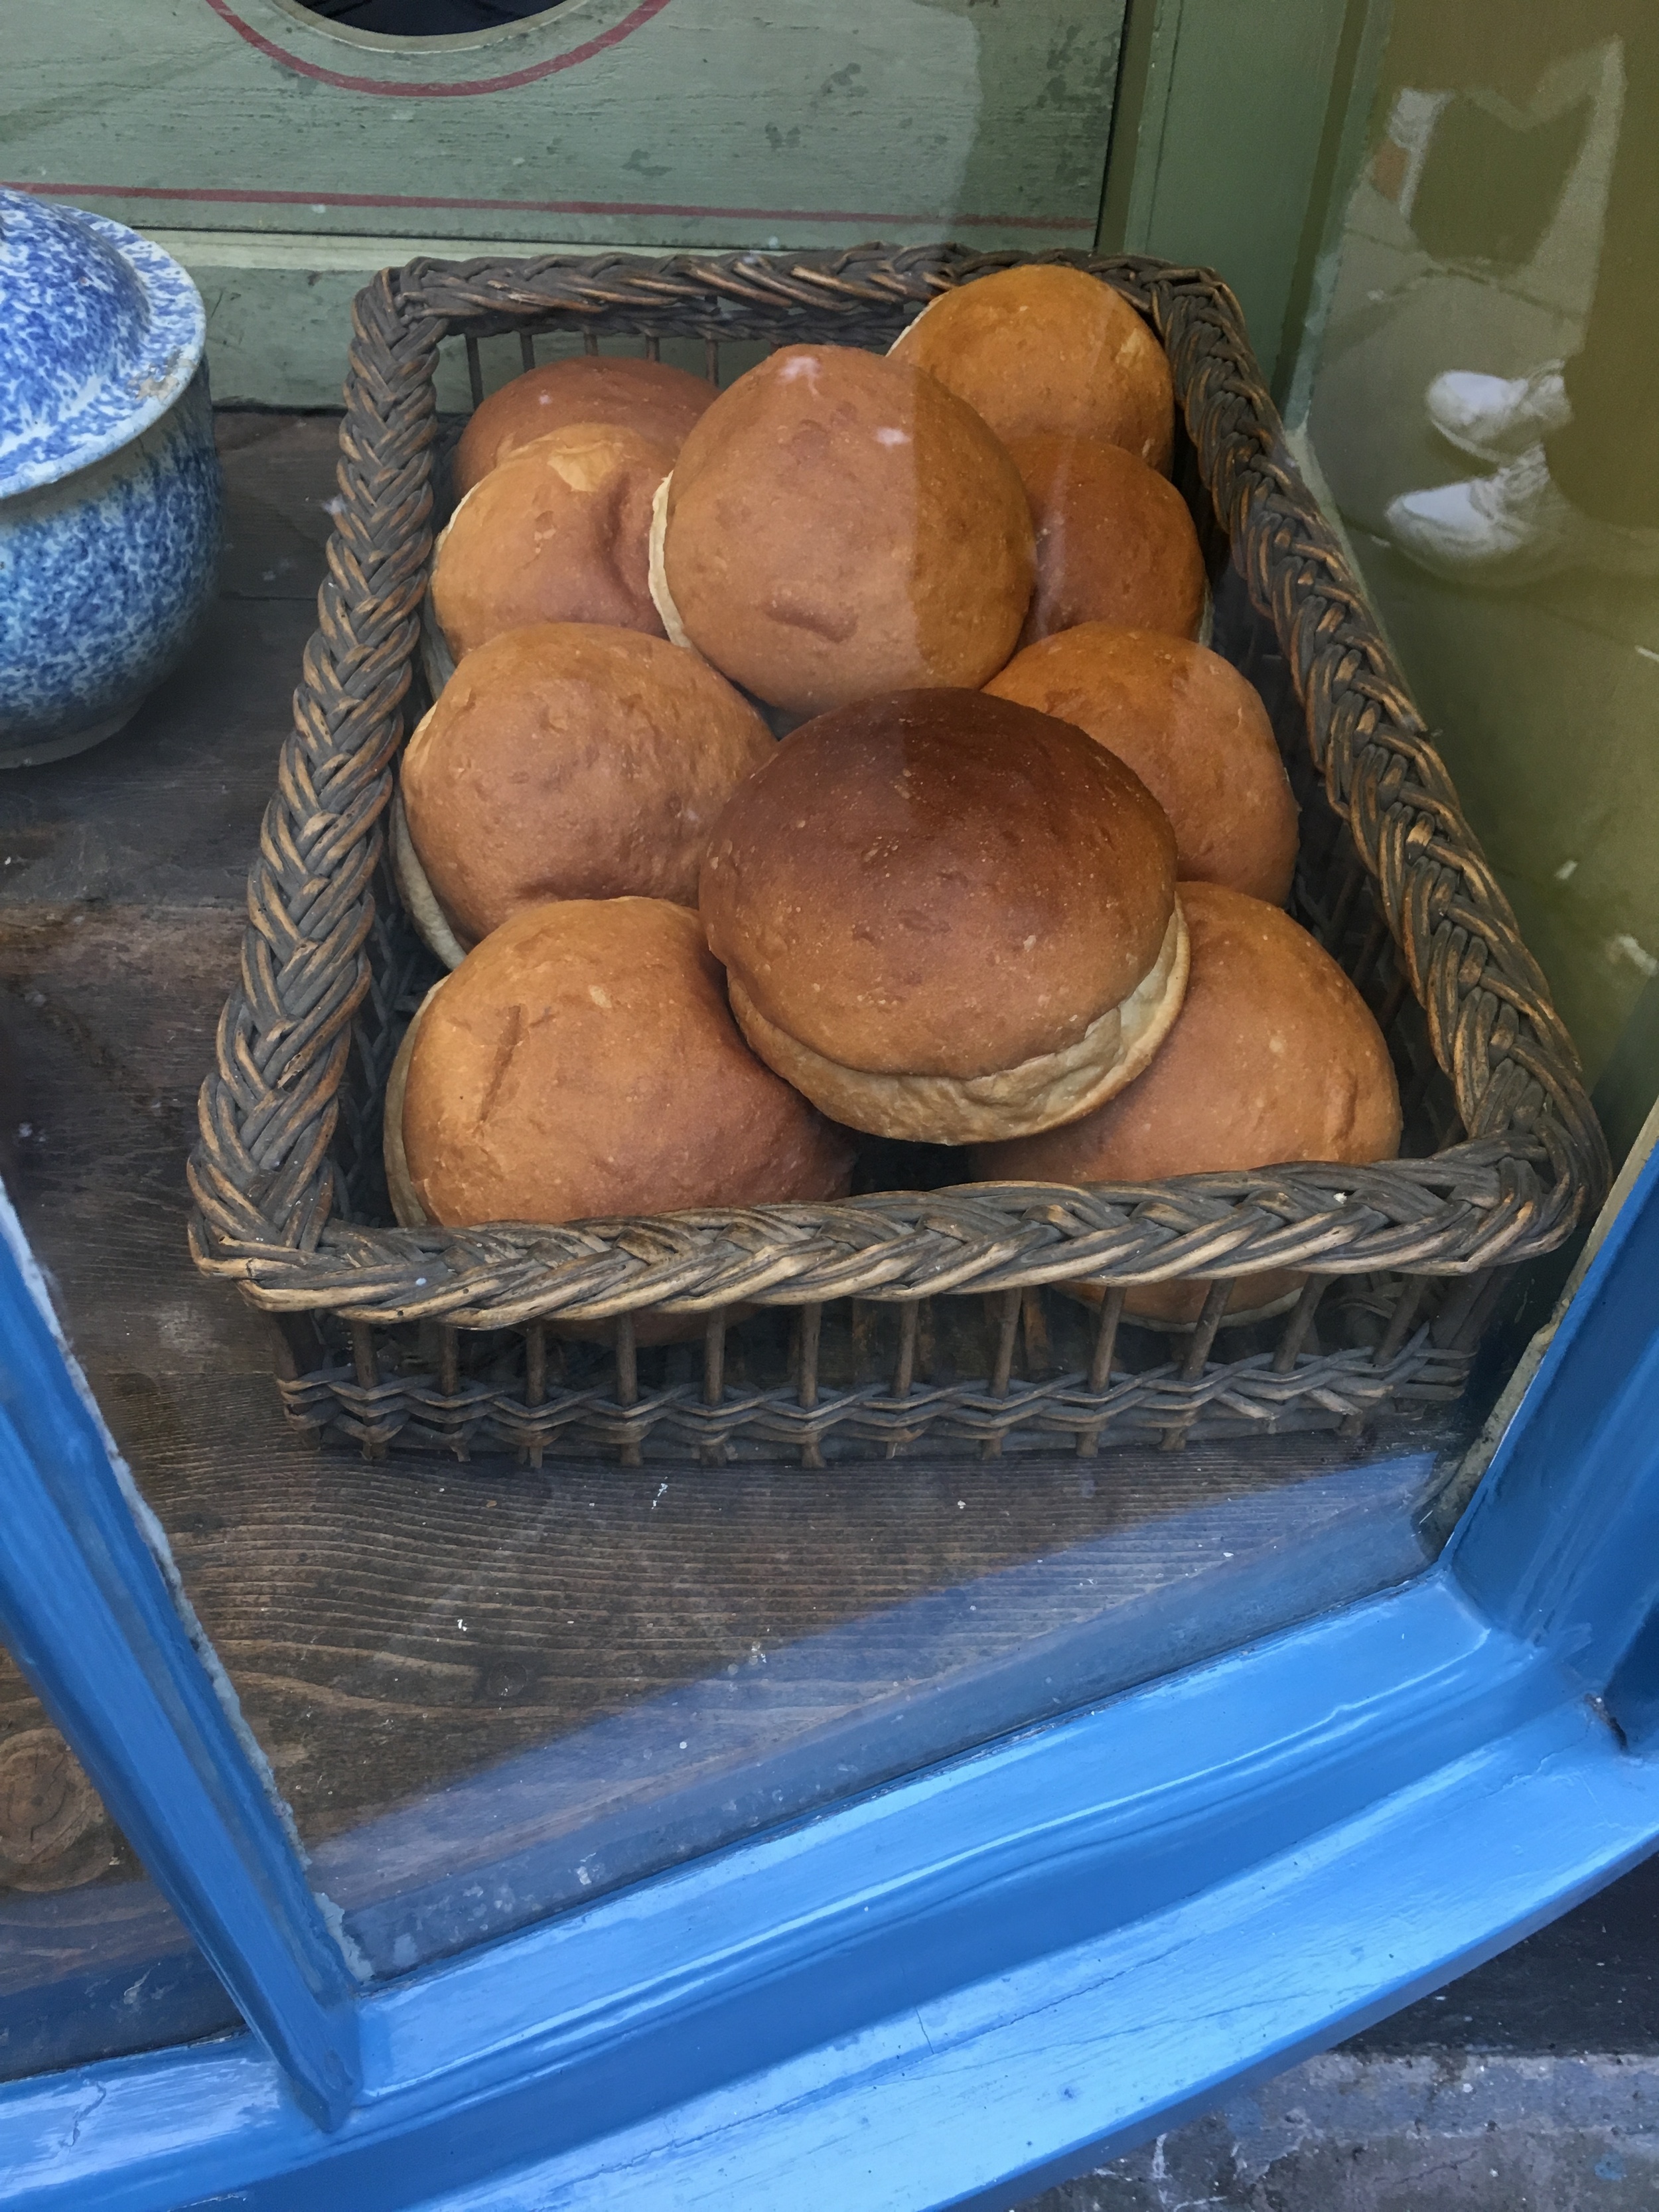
<point>582,1061</point>
<point>838,525</point>
<point>1193,729</point>
<point>1275,1057</point>
<point>661,403</point>
<point>1042,349</point>
<point>561,531</point>
<point>1114,542</point>
<point>953,916</point>
<point>571,761</point>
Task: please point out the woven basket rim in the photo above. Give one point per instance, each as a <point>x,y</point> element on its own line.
<point>1533,1164</point>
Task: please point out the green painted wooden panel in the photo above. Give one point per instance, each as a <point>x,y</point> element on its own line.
<point>1223,150</point>
<point>704,121</point>
<point>279,315</point>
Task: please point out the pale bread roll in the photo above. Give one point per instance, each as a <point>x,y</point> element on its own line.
<point>571,760</point>
<point>1115,541</point>
<point>1275,1057</point>
<point>1046,350</point>
<point>659,403</point>
<point>561,531</point>
<point>1193,729</point>
<point>837,525</point>
<point>582,1062</point>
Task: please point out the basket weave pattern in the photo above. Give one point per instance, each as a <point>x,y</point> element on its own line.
<point>328,966</point>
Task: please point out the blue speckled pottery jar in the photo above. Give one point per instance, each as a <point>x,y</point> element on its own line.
<point>111,500</point>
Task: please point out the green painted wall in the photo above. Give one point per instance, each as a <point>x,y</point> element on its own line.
<point>1222,151</point>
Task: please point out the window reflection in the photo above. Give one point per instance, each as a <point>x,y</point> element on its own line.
<point>1483,408</point>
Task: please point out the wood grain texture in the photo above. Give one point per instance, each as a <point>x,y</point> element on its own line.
<point>787,123</point>
<point>393,1627</point>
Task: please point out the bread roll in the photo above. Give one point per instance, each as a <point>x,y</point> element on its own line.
<point>837,525</point>
<point>1114,542</point>
<point>561,531</point>
<point>1193,729</point>
<point>571,761</point>
<point>582,1062</point>
<point>946,917</point>
<point>1275,1057</point>
<point>661,403</point>
<point>1042,350</point>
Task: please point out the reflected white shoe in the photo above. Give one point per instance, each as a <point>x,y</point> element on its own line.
<point>1495,417</point>
<point>1513,527</point>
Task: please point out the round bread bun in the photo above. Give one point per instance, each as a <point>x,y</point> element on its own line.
<point>945,917</point>
<point>582,1062</point>
<point>659,403</point>
<point>561,531</point>
<point>1275,1057</point>
<point>566,760</point>
<point>838,525</point>
<point>1115,541</point>
<point>1193,729</point>
<point>1039,349</point>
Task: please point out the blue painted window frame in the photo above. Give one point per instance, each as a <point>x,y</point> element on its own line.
<point>984,1977</point>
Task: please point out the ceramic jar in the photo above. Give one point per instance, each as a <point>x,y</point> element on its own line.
<point>111,499</point>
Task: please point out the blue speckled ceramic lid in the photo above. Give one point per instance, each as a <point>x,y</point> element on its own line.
<point>99,333</point>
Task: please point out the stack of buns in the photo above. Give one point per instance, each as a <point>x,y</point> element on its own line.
<point>836,754</point>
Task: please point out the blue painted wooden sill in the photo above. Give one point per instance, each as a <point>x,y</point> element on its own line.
<point>993,1973</point>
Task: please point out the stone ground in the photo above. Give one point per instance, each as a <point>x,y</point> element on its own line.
<point>1531,2085</point>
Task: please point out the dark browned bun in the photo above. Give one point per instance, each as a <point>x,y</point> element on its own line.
<point>570,762</point>
<point>1275,1057</point>
<point>1044,349</point>
<point>838,525</point>
<point>561,531</point>
<point>1193,729</point>
<point>1114,542</point>
<point>659,403</point>
<point>582,1061</point>
<point>946,917</point>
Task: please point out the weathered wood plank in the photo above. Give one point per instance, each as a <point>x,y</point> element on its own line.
<point>279,313</point>
<point>709,123</point>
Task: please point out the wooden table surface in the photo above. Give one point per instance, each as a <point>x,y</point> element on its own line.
<point>392,1628</point>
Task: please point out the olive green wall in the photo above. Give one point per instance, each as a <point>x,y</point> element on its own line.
<point>1543,695</point>
<point>1231,121</point>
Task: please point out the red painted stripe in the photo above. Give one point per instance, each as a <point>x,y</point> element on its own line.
<point>630,23</point>
<point>238,198</point>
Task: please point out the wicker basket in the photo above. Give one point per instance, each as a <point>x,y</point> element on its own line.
<point>915,1322</point>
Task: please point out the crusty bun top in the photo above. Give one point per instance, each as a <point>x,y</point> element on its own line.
<point>1193,729</point>
<point>583,1062</point>
<point>568,761</point>
<point>1115,540</point>
<point>1274,1057</point>
<point>661,403</point>
<point>938,883</point>
<point>1040,349</point>
<point>561,531</point>
<point>840,524</point>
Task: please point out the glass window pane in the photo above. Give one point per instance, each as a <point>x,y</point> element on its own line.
<point>1479,398</point>
<point>489,1691</point>
<point>521,1612</point>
